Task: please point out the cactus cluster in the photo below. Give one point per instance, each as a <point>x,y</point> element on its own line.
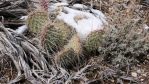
<point>60,39</point>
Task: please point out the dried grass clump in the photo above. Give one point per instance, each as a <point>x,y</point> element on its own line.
<point>24,56</point>
<point>125,44</point>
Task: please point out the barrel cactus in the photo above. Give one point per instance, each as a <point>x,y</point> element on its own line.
<point>93,41</point>
<point>71,55</point>
<point>54,35</point>
<point>36,20</point>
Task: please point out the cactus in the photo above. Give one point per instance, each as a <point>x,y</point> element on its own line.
<point>93,41</point>
<point>55,35</point>
<point>36,20</point>
<point>71,55</point>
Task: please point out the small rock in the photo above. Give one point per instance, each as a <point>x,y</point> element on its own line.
<point>142,79</point>
<point>134,74</point>
<point>144,74</point>
<point>112,81</point>
<point>139,71</point>
<point>147,56</point>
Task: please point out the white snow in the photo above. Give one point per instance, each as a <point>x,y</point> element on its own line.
<point>83,18</point>
<point>24,17</point>
<point>100,15</point>
<point>21,29</point>
<point>79,6</point>
<point>64,1</point>
<point>54,6</point>
<point>83,22</point>
<point>146,27</point>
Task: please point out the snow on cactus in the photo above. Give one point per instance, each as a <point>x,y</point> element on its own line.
<point>82,20</point>
<point>88,23</point>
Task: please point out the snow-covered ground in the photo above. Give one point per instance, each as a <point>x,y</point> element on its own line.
<point>21,29</point>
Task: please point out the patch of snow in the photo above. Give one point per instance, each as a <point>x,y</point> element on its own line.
<point>134,74</point>
<point>84,19</point>
<point>24,17</point>
<point>84,25</point>
<point>54,6</point>
<point>79,6</point>
<point>21,29</point>
<point>100,15</point>
<point>146,27</point>
<point>60,4</point>
<point>64,1</point>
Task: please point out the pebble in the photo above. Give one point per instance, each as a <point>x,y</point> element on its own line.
<point>139,71</point>
<point>112,81</point>
<point>144,74</point>
<point>142,79</point>
<point>134,74</point>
